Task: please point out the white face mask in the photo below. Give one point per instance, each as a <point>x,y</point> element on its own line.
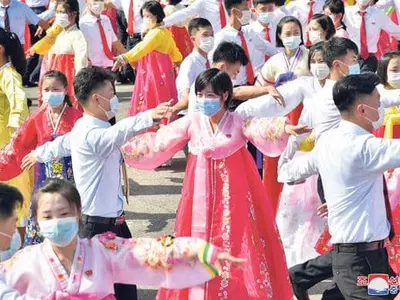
<point>381,112</point>
<point>246,17</point>
<point>147,24</point>
<point>97,7</point>
<point>62,20</point>
<point>315,36</point>
<point>319,71</point>
<point>206,44</point>
<point>266,17</point>
<point>114,107</point>
<point>291,42</point>
<point>394,79</point>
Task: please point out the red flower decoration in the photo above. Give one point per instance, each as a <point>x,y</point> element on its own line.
<point>89,273</point>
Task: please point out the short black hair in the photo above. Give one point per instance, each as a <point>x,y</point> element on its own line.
<point>315,48</point>
<point>196,24</point>
<point>220,83</point>
<point>348,89</point>
<point>89,79</point>
<point>57,186</point>
<point>256,2</point>
<point>283,21</point>
<point>229,4</point>
<point>10,199</point>
<point>326,24</point>
<point>174,2</point>
<point>383,64</point>
<point>155,8</point>
<point>231,53</point>
<point>336,48</point>
<point>280,3</point>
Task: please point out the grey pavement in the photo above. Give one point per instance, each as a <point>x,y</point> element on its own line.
<point>154,196</point>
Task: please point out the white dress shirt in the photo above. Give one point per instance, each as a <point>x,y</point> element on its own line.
<point>326,114</point>
<point>375,21</point>
<point>37,3</point>
<point>90,29</point>
<point>94,147</point>
<point>351,162</point>
<point>254,42</point>
<point>18,14</point>
<point>137,5</point>
<point>300,9</point>
<point>189,69</point>
<point>207,9</point>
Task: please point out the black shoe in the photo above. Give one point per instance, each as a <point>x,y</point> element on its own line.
<point>30,85</point>
<point>29,102</point>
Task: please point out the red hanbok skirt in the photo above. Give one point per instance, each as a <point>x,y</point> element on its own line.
<point>241,221</point>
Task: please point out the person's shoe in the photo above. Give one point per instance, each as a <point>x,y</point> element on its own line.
<point>30,85</point>
<point>300,293</point>
<point>29,102</point>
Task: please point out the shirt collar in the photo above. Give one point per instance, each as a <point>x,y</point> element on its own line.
<point>198,56</point>
<point>350,127</point>
<point>89,17</point>
<point>95,121</point>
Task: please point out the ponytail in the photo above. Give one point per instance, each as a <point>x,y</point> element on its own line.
<point>13,50</point>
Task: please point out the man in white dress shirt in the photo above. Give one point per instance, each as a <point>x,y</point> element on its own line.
<point>351,162</point>
<point>94,146</point>
<point>202,36</point>
<point>238,31</point>
<point>375,20</point>
<point>92,24</point>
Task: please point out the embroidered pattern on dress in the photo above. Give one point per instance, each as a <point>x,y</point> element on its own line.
<point>226,220</point>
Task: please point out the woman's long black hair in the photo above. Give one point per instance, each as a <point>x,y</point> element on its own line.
<point>13,50</point>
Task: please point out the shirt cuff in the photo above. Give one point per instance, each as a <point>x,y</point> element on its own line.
<point>208,256</point>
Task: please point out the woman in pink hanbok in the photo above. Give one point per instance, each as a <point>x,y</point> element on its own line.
<point>65,265</point>
<point>223,199</point>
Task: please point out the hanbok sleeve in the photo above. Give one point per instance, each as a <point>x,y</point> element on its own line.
<point>167,262</point>
<point>49,151</point>
<point>79,45</point>
<point>149,43</point>
<point>150,150</point>
<point>7,293</point>
<point>11,85</point>
<point>267,74</point>
<point>267,134</point>
<point>43,46</point>
<point>174,53</point>
<point>22,142</point>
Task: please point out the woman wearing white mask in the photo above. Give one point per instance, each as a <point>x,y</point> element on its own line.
<point>335,10</point>
<point>179,31</point>
<point>299,225</point>
<point>223,198</point>
<point>88,268</point>
<point>55,117</point>
<point>282,67</point>
<point>320,28</point>
<point>69,53</point>
<point>155,56</point>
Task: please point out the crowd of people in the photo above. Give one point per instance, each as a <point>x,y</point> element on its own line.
<point>288,113</point>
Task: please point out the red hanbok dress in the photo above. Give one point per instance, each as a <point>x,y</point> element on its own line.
<point>223,200</point>
<point>155,75</point>
<point>36,131</point>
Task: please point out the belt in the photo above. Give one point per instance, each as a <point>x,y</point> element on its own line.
<point>360,247</point>
<point>102,220</point>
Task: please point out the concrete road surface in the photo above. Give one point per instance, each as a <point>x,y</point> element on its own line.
<point>154,195</point>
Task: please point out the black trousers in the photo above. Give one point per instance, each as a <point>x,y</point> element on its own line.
<point>304,276</point>
<point>33,63</point>
<point>89,230</point>
<point>348,265</point>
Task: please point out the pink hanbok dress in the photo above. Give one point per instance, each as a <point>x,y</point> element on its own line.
<point>223,200</point>
<point>106,259</point>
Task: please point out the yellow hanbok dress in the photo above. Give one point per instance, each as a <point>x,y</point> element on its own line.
<point>13,112</point>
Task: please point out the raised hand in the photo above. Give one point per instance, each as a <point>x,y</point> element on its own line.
<point>322,211</point>
<point>225,256</point>
<point>277,96</point>
<point>297,129</point>
<point>161,110</point>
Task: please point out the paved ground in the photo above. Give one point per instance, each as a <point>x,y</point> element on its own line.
<point>154,196</point>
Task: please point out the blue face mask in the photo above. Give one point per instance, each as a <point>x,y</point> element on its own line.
<point>54,99</point>
<point>354,69</point>
<point>266,17</point>
<point>59,232</point>
<point>291,42</point>
<point>15,244</point>
<point>208,106</point>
